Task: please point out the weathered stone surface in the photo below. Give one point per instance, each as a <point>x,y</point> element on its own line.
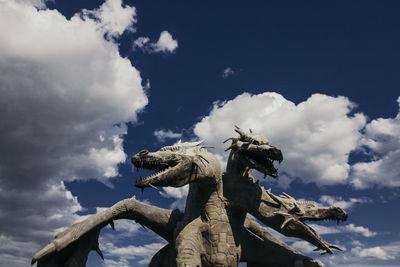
<point>213,231</point>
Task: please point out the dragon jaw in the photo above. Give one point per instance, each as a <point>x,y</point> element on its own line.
<point>293,215</point>
<point>174,165</point>
<point>256,152</point>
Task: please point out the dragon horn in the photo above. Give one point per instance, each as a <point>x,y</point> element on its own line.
<point>287,195</point>
<point>298,208</point>
<point>276,199</point>
<point>230,138</point>
<point>207,146</point>
<point>239,131</point>
<point>198,143</point>
<point>286,218</point>
<point>203,158</point>
<point>230,147</point>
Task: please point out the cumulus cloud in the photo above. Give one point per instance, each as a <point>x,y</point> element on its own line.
<point>349,228</point>
<point>165,44</point>
<point>141,42</point>
<point>142,254</point>
<point>40,4</point>
<point>29,219</point>
<point>316,136</point>
<point>371,256</point>
<point>123,228</point>
<point>303,246</point>
<point>178,193</point>
<point>382,141</point>
<point>374,252</point>
<point>340,202</point>
<point>66,96</point>
<point>113,244</point>
<point>227,72</point>
<point>163,135</point>
<point>114,17</point>
<point>359,230</point>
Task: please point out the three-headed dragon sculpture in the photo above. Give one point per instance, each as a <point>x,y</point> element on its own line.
<point>213,229</point>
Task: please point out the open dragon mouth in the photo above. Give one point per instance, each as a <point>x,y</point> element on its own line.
<point>329,214</point>
<point>161,168</point>
<point>262,164</point>
<point>296,227</point>
<point>261,157</point>
<point>325,219</point>
<point>293,215</point>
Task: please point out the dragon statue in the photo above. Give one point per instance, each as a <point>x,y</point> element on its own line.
<point>213,230</point>
<point>282,213</point>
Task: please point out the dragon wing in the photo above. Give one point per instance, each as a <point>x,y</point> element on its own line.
<point>71,247</point>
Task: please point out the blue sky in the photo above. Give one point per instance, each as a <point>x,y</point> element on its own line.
<point>86,84</point>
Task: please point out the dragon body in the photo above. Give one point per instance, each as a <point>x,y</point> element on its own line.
<point>213,230</point>
<point>282,213</point>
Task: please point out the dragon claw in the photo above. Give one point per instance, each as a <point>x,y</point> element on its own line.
<point>327,249</point>
<point>97,249</point>
<point>325,252</point>
<point>335,247</point>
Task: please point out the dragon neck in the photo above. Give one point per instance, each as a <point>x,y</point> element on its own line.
<point>200,194</point>
<point>236,166</point>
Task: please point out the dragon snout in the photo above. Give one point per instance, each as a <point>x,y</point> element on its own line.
<point>338,214</point>
<point>138,156</point>
<point>277,154</point>
<point>341,213</point>
<point>143,152</point>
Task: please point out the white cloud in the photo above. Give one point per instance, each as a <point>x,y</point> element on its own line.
<point>340,202</point>
<point>382,139</point>
<point>30,219</point>
<point>227,72</point>
<point>163,135</point>
<point>374,252</point>
<point>40,4</point>
<point>114,17</point>
<point>121,262</point>
<point>122,228</point>
<point>316,136</point>
<point>141,42</point>
<point>179,193</point>
<point>303,246</point>
<point>349,228</point>
<point>66,96</point>
<point>142,254</point>
<point>359,256</point>
<point>165,44</point>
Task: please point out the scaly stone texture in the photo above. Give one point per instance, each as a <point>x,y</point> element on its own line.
<point>213,230</point>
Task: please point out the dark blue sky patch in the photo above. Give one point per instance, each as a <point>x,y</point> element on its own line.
<point>296,49</point>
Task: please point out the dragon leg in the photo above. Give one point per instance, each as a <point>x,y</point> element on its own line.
<point>188,244</point>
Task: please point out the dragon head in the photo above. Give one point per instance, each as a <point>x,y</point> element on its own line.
<point>255,152</point>
<point>292,215</point>
<point>177,165</point>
